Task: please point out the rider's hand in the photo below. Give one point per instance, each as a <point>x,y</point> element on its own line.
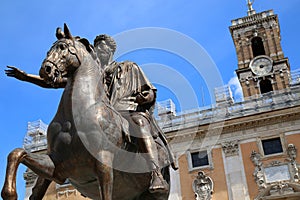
<point>145,97</point>
<point>16,73</point>
<point>140,99</point>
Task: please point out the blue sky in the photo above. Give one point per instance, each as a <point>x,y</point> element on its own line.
<point>28,31</point>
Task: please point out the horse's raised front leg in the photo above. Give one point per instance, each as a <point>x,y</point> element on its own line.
<point>105,174</point>
<point>40,164</point>
<point>40,188</point>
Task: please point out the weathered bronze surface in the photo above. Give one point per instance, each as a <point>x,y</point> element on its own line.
<point>104,154</point>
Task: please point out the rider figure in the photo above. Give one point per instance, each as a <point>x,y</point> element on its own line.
<point>132,95</point>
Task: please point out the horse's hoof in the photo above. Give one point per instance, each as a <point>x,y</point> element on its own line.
<point>8,194</point>
<point>158,189</point>
<point>158,184</point>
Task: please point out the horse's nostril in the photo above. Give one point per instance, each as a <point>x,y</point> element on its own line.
<point>48,69</point>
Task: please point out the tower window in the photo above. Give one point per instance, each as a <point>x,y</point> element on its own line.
<point>257,47</point>
<point>265,86</point>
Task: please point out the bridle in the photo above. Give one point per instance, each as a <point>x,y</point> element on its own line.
<point>57,63</point>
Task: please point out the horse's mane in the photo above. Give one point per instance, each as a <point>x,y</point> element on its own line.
<point>90,48</point>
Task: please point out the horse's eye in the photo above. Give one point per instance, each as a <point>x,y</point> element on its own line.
<point>62,46</point>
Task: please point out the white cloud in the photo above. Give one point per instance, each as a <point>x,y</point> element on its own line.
<point>236,88</point>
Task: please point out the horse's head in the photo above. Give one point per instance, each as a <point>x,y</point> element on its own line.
<point>64,57</point>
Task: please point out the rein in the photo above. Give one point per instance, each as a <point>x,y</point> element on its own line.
<point>71,49</point>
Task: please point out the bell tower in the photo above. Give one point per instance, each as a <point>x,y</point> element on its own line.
<point>262,66</point>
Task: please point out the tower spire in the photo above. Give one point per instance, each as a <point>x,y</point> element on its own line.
<point>251,11</point>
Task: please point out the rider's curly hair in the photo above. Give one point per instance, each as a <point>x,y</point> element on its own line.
<point>108,40</point>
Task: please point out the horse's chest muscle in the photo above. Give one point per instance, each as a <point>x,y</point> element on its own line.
<point>59,131</point>
<point>65,106</point>
<point>59,136</point>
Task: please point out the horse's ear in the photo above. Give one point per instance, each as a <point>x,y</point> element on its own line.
<point>86,43</point>
<point>67,32</point>
<point>59,33</point>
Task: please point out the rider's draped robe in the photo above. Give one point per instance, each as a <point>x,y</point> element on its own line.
<point>125,81</point>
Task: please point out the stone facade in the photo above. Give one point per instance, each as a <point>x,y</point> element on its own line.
<point>239,167</point>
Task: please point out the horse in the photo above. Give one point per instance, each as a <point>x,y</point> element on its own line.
<point>86,142</point>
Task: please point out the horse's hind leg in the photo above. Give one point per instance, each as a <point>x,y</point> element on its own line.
<point>40,164</point>
<point>105,174</point>
<point>40,188</point>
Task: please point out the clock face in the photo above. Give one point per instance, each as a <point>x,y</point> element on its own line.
<point>261,65</point>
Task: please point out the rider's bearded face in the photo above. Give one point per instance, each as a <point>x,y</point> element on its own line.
<point>103,52</point>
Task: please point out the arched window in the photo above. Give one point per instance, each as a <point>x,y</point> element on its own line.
<point>257,46</point>
<point>265,86</point>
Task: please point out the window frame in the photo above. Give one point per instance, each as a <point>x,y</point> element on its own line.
<point>282,141</point>
<point>190,162</point>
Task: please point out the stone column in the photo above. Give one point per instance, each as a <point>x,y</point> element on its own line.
<point>234,170</point>
<point>175,188</point>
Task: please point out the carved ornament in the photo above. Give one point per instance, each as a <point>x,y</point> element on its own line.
<point>203,187</point>
<point>230,148</point>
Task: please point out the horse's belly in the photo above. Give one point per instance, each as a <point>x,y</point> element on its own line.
<point>126,186</point>
<point>89,189</point>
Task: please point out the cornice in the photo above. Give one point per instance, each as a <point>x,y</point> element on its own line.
<point>237,124</point>
<point>251,20</point>
<point>260,121</point>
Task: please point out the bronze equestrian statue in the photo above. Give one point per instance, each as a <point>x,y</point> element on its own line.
<point>89,142</point>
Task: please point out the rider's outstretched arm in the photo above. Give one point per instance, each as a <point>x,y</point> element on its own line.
<point>31,78</point>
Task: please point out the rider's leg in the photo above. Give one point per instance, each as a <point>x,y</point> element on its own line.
<point>149,151</point>
<point>158,184</point>
<point>104,172</point>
